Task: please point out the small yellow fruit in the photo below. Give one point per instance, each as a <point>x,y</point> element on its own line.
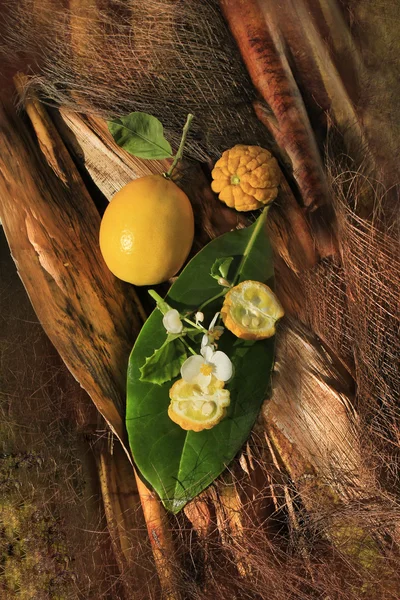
<point>194,408</point>
<point>246,177</point>
<point>251,310</point>
<point>147,231</point>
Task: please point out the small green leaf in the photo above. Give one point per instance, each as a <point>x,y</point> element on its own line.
<point>165,363</point>
<point>140,134</point>
<point>220,267</point>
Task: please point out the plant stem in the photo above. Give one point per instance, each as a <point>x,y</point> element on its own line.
<point>179,154</point>
<point>221,293</point>
<point>161,304</point>
<point>198,327</point>
<point>259,224</point>
<point>188,346</point>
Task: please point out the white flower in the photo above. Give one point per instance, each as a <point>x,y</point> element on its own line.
<point>172,321</point>
<point>200,367</point>
<point>214,332</point>
<point>199,317</point>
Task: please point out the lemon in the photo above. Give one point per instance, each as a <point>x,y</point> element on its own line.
<point>147,231</point>
<point>251,310</point>
<point>194,408</point>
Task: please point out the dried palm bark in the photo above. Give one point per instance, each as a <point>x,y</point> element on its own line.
<point>292,508</point>
<point>85,311</point>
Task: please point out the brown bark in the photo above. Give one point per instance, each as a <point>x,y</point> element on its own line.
<point>262,47</point>
<point>89,316</point>
<point>52,226</point>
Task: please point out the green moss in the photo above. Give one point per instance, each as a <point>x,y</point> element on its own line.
<point>34,557</point>
<point>356,543</point>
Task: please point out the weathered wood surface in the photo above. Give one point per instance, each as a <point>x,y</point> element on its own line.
<point>304,61</point>
<point>52,227</point>
<point>262,47</point>
<point>92,318</point>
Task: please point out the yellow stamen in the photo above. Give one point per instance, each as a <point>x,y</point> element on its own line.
<point>206,369</point>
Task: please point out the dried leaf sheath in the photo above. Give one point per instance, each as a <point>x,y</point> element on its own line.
<point>263,52</point>
<point>88,315</point>
<point>74,295</point>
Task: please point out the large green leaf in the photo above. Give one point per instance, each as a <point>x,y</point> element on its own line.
<point>180,464</point>
<point>140,134</point>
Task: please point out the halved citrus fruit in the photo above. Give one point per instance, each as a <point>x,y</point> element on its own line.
<point>194,408</point>
<point>251,310</point>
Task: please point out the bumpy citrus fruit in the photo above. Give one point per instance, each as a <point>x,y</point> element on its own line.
<point>194,408</point>
<point>246,177</point>
<point>251,310</point>
<point>147,231</point>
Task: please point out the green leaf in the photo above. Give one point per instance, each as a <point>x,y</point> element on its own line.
<point>140,134</point>
<point>220,267</point>
<point>180,464</point>
<point>165,363</point>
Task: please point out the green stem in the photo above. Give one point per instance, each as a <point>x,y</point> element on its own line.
<point>259,224</point>
<point>221,293</point>
<point>198,327</point>
<point>188,346</point>
<point>179,154</point>
<point>161,304</point>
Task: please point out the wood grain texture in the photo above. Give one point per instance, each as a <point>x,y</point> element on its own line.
<point>263,50</point>
<point>109,166</point>
<point>52,227</point>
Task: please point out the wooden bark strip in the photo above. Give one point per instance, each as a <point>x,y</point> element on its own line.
<point>122,508</point>
<point>160,539</point>
<point>231,528</point>
<point>109,166</point>
<point>290,232</point>
<point>44,130</point>
<point>91,317</point>
<point>263,52</point>
<point>307,39</point>
<point>52,230</point>
<point>317,419</point>
<point>124,497</point>
<point>313,428</point>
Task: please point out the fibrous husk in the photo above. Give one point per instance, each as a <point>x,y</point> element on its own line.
<point>311,511</point>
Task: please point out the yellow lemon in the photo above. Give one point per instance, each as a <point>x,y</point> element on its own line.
<point>147,231</point>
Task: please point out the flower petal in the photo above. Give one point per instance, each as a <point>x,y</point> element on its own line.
<point>223,366</point>
<point>199,317</point>
<point>207,352</point>
<point>191,367</point>
<point>204,341</point>
<point>203,381</point>
<point>211,327</point>
<point>172,321</point>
